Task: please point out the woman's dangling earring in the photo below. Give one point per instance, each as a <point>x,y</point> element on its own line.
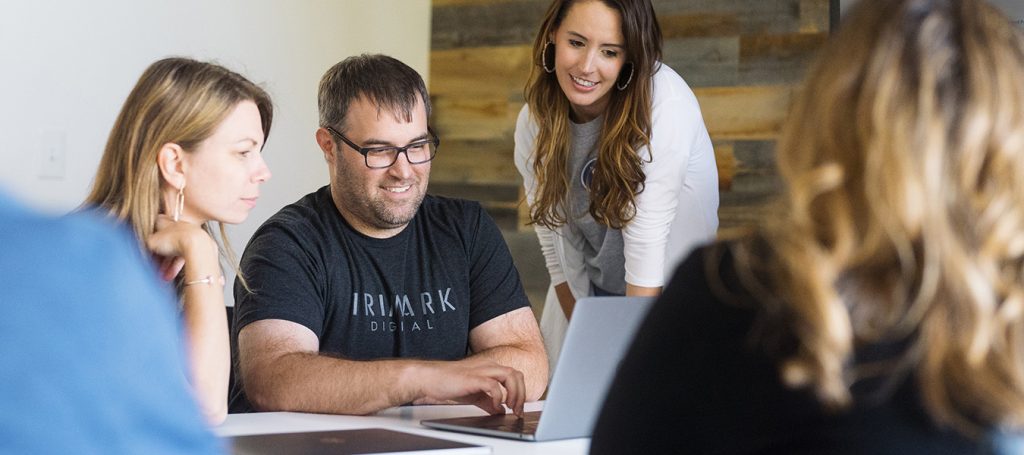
<point>179,205</point>
<point>623,86</point>
<point>549,48</point>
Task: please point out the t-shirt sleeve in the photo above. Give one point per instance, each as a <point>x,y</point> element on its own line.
<point>285,279</point>
<point>495,288</point>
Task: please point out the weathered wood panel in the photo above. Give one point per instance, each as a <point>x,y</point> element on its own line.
<point>699,25</point>
<point>474,161</point>
<point>752,16</point>
<point>477,118</point>
<point>501,200</point>
<point>756,155</point>
<point>754,185</point>
<point>725,160</point>
<point>776,59</point>
<point>442,3</point>
<point>491,24</point>
<point>744,113</point>
<point>814,15</point>
<point>704,61</point>
<point>486,70</point>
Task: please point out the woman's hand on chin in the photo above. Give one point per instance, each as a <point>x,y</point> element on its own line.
<point>177,242</point>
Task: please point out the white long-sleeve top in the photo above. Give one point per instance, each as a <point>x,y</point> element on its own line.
<point>677,210</point>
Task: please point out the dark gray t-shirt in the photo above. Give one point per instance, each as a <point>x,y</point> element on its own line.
<point>414,295</point>
<point>602,247</point>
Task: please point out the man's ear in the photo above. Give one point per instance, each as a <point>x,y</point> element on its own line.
<point>326,142</point>
<point>171,162</point>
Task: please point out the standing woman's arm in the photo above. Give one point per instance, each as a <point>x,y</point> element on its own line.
<point>680,175</point>
<point>525,137</point>
<point>644,291</point>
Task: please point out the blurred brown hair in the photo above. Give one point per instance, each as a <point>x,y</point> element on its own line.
<point>903,213</point>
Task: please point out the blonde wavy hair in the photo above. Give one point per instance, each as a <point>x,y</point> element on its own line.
<point>903,213</point>
<point>176,100</point>
<point>618,175</point>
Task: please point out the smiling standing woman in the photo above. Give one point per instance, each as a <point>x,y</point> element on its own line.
<point>618,167</point>
<point>185,151</point>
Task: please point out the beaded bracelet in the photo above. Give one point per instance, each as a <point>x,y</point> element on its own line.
<point>208,279</point>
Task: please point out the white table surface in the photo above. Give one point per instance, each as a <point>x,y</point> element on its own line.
<point>405,418</point>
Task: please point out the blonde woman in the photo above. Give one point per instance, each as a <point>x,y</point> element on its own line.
<point>185,151</point>
<point>881,308</point>
<point>618,168</point>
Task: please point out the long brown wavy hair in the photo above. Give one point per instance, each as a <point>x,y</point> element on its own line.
<point>618,175</point>
<point>176,100</point>
<point>903,213</point>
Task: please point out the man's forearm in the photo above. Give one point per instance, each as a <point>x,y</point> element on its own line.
<point>528,358</point>
<point>310,382</point>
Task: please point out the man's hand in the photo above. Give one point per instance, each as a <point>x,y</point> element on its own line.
<point>479,382</point>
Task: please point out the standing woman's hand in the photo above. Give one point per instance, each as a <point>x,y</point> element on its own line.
<point>565,299</point>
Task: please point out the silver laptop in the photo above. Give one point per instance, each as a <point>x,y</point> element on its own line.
<point>600,331</point>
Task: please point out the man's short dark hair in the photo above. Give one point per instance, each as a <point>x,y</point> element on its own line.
<point>384,81</point>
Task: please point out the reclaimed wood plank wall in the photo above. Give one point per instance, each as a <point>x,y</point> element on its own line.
<point>743,58</point>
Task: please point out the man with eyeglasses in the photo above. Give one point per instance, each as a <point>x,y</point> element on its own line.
<point>369,293</point>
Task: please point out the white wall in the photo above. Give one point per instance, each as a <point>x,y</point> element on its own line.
<point>66,67</point>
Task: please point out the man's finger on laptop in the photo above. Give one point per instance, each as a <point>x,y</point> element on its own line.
<point>517,393</point>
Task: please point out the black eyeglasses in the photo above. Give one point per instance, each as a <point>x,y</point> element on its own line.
<point>418,152</point>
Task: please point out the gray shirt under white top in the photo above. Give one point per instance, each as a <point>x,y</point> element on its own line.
<point>601,246</point>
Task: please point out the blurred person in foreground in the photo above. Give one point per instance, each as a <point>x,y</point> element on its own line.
<point>881,308</point>
<point>92,360</point>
